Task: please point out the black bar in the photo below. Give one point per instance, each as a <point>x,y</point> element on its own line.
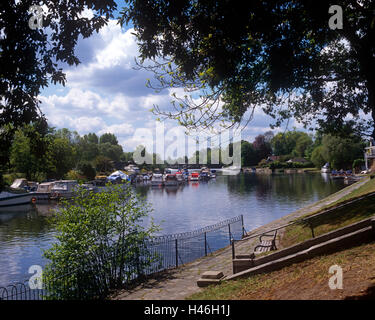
<point>243,227</point>
<point>205,244</point>
<point>230,234</point>
<point>176,253</point>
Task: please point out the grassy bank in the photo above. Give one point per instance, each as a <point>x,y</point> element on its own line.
<point>309,279</point>
<point>337,218</point>
<point>305,280</point>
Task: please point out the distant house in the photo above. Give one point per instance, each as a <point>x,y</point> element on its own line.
<point>273,158</point>
<point>300,160</point>
<point>370,155</point>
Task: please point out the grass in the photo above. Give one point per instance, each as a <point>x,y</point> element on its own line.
<point>309,279</point>
<point>335,219</point>
<point>305,280</point>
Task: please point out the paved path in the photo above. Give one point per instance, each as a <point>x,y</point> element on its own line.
<point>179,283</point>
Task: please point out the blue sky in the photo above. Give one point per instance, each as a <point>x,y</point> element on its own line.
<point>105,94</point>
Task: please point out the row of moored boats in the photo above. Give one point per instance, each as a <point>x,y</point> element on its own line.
<point>179,177</point>
<point>24,192</point>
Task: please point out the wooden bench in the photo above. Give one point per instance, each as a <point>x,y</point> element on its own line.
<point>267,242</point>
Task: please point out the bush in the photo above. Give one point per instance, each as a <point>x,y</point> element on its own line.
<point>101,244</point>
<point>74,175</point>
<point>358,163</point>
<point>87,170</point>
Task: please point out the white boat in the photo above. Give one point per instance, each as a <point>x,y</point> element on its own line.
<point>157,179</point>
<point>44,190</point>
<point>326,168</point>
<point>63,189</point>
<point>8,199</point>
<point>19,184</point>
<point>180,177</point>
<point>232,170</point>
<point>118,177</point>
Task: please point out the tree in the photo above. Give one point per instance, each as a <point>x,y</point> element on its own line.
<point>101,244</point>
<point>103,164</point>
<point>262,148</point>
<point>28,152</point>
<point>279,55</point>
<point>21,158</point>
<point>87,170</point>
<point>111,151</point>
<point>32,58</point>
<point>248,154</point>
<point>61,155</point>
<point>317,157</point>
<point>341,152</point>
<point>88,148</point>
<point>108,138</point>
<point>302,145</point>
<point>291,143</point>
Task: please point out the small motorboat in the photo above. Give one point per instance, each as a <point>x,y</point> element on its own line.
<point>8,199</point>
<point>157,180</point>
<point>325,168</point>
<point>44,190</point>
<point>194,176</point>
<point>171,180</point>
<point>180,177</point>
<point>337,175</point>
<point>63,189</point>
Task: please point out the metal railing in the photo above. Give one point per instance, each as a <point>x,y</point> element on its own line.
<point>90,281</point>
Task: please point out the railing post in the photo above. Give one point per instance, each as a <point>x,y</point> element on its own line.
<point>243,228</point>
<point>233,252</point>
<point>205,244</point>
<point>312,229</point>
<point>176,245</point>
<point>230,234</point>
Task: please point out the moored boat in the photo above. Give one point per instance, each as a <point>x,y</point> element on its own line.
<point>180,177</point>
<point>63,189</point>
<point>170,180</point>
<point>194,176</point>
<point>8,199</point>
<point>157,180</point>
<point>325,168</point>
<point>44,190</point>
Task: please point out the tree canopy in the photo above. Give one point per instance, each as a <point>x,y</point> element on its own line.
<point>32,58</point>
<point>281,56</point>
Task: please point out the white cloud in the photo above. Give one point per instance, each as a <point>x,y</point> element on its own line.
<point>106,94</point>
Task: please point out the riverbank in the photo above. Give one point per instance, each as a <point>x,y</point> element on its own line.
<point>180,283</point>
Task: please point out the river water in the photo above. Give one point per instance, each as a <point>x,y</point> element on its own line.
<point>25,231</point>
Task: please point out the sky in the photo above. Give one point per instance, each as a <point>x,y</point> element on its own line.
<point>106,94</point>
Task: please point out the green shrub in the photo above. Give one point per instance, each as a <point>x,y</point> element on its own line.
<point>101,244</point>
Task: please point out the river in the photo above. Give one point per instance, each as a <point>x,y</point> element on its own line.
<point>25,231</point>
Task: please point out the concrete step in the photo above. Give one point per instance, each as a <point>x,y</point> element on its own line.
<point>209,278</point>
<point>212,275</point>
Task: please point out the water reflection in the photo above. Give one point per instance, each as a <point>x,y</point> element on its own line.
<point>25,231</point>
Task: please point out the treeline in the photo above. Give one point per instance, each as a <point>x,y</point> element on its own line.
<point>304,150</point>
<point>57,154</point>
<point>62,153</point>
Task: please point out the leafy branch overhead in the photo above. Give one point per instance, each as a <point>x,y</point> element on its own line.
<point>281,56</point>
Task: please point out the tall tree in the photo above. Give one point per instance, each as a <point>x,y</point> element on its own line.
<point>281,55</point>
<point>108,137</point>
<point>32,58</point>
<point>261,147</point>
